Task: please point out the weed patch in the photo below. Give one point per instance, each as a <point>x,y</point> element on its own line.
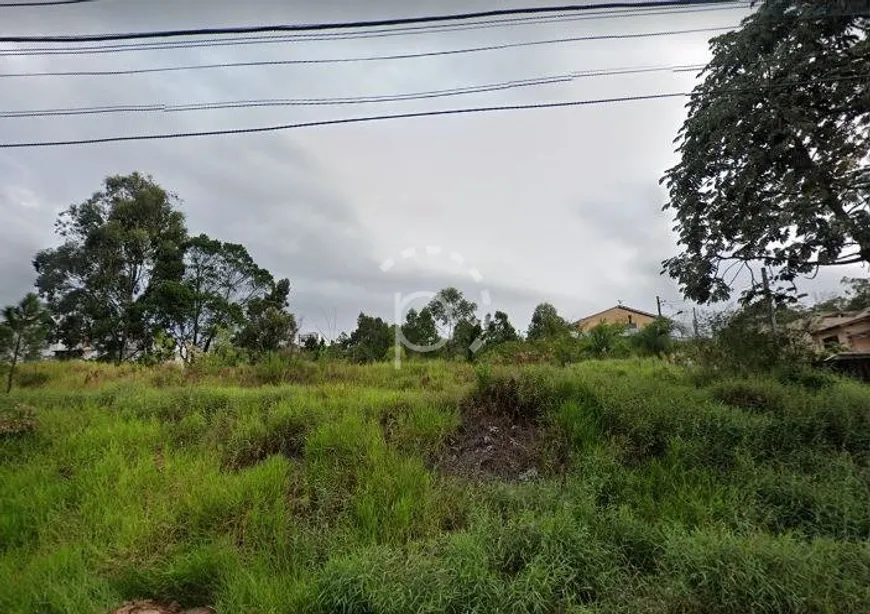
<point>602,486</point>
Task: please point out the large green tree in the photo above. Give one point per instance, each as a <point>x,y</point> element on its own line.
<point>118,246</point>
<point>774,167</point>
<point>547,323</point>
<point>269,326</point>
<point>449,307</point>
<point>370,341</point>
<point>420,328</point>
<point>23,333</point>
<point>498,329</point>
<point>219,282</point>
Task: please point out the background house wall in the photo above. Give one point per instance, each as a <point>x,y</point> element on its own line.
<point>853,333</point>
<point>617,315</point>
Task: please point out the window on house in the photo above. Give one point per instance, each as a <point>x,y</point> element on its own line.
<point>830,341</point>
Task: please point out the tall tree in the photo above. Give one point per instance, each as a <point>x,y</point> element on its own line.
<point>117,246</point>
<point>547,323</point>
<point>371,339</point>
<point>269,326</point>
<point>774,165</point>
<point>219,282</point>
<point>467,338</point>
<point>420,328</point>
<point>499,329</point>
<point>23,333</point>
<point>449,307</point>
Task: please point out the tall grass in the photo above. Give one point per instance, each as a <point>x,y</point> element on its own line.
<point>314,491</point>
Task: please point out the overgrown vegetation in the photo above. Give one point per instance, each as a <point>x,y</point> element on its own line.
<point>330,491</point>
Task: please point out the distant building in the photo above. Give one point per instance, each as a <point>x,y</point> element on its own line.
<point>844,329</point>
<point>634,319</point>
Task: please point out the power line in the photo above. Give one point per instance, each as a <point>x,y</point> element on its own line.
<point>283,102</point>
<point>355,25</point>
<point>376,33</point>
<point>346,100</point>
<point>272,40</point>
<point>13,5</point>
<point>373,118</point>
<point>344,120</point>
<point>136,71</point>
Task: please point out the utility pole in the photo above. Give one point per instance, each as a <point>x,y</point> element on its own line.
<point>659,305</point>
<point>695,321</point>
<point>770,310</point>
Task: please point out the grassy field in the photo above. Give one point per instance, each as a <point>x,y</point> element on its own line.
<point>618,486</point>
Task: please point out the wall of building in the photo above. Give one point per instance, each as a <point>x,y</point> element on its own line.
<point>616,315</point>
<point>855,337</point>
<point>858,335</point>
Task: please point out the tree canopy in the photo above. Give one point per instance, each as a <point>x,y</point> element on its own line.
<point>855,298</point>
<point>129,281</point>
<point>547,323</point>
<point>774,165</point>
<point>219,282</point>
<point>23,332</point>
<point>118,246</point>
<point>268,325</point>
<point>420,328</point>
<point>370,341</point>
<point>449,307</point>
<point>499,329</point>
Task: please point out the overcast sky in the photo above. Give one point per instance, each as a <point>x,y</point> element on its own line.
<point>555,205</point>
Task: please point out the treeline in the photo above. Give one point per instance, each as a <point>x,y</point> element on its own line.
<point>447,328</point>
<point>130,283</point>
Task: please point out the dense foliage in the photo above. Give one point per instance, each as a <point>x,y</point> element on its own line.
<point>118,247</point>
<point>129,282</point>
<point>774,154</point>
<point>23,332</point>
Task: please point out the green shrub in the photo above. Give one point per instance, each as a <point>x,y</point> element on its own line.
<point>282,431</point>
<point>277,368</point>
<point>522,396</point>
<point>752,394</point>
<point>654,339</point>
<point>829,502</point>
<point>606,340</point>
<point>27,377</point>
<point>719,573</point>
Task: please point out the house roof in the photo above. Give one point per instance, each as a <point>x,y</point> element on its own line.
<point>623,307</point>
<point>864,315</point>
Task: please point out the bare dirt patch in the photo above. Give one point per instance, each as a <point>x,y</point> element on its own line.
<point>490,445</point>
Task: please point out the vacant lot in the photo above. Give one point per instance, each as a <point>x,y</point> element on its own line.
<point>621,486</point>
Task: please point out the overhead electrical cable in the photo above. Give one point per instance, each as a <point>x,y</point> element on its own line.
<point>332,122</point>
<point>279,102</point>
<point>345,100</point>
<point>270,40</point>
<point>360,24</point>
<point>28,4</point>
<point>384,117</point>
